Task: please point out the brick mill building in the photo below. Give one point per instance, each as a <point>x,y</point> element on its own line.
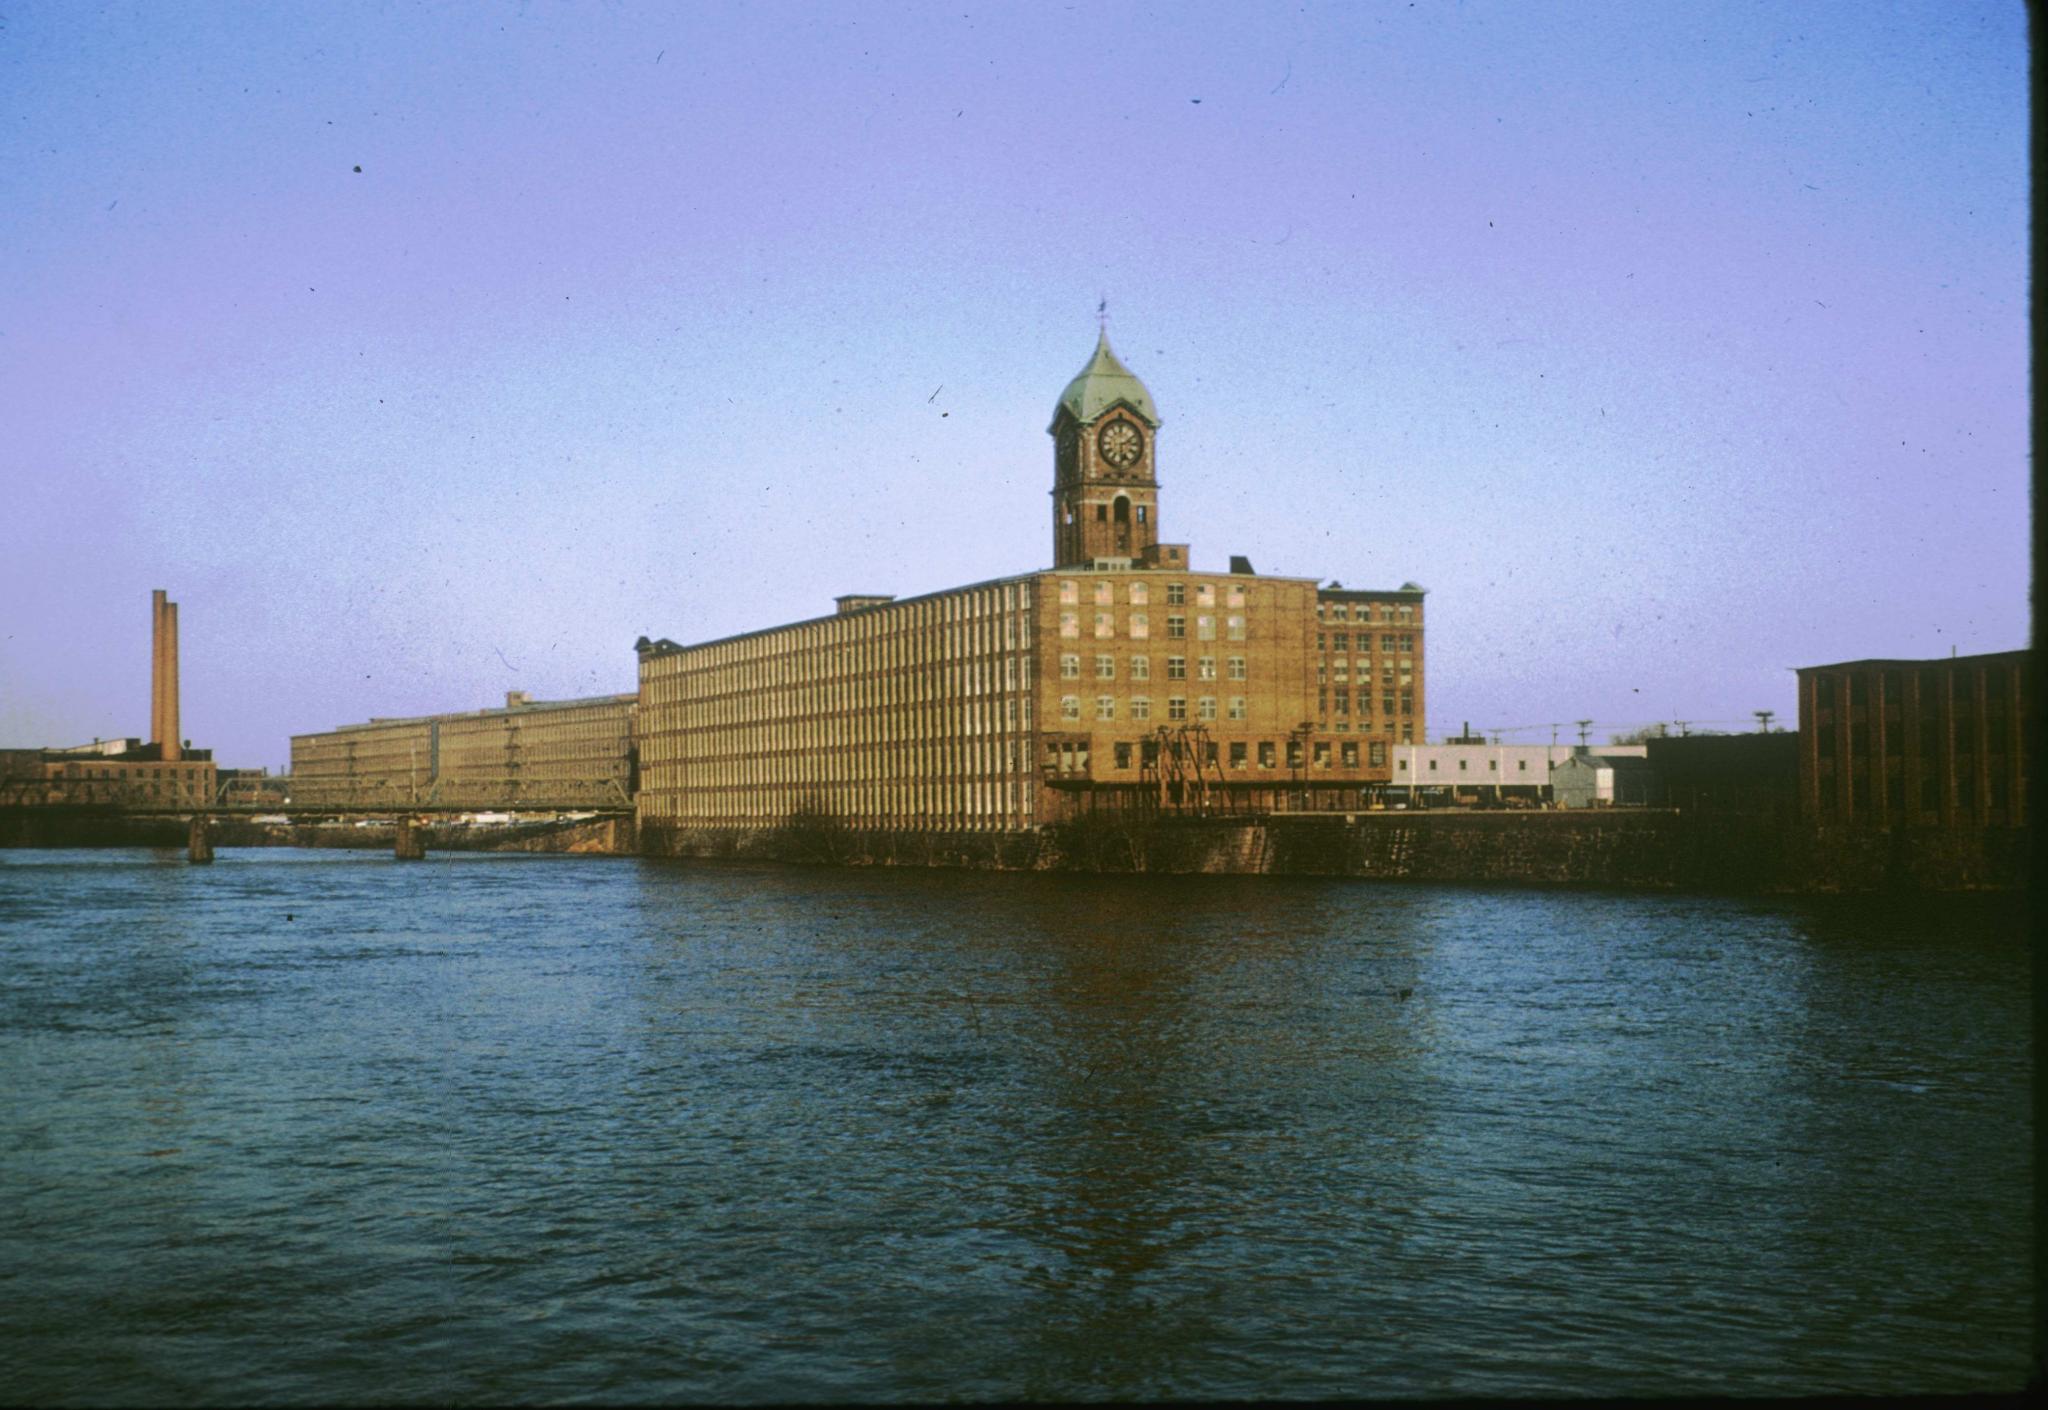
<point>1940,742</point>
<point>1121,677</point>
<point>533,754</point>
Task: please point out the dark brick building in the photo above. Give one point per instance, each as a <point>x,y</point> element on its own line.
<point>1941,742</point>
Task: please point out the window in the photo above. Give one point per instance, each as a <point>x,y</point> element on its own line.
<point>1341,641</point>
<point>1343,664</point>
<point>1407,704</point>
<point>1105,707</point>
<point>1070,668</point>
<point>1233,596</point>
<point>1176,626</point>
<point>1139,591</point>
<point>1432,766</point>
<point>1141,626</point>
<point>1103,589</point>
<point>1237,754</point>
<point>1234,628</point>
<point>1176,668</point>
<point>1070,592</point>
<point>1237,668</point>
<point>1350,756</point>
<point>1265,753</point>
<point>1205,668</point>
<point>1101,513</point>
<point>1205,628</point>
<point>1407,643</point>
<point>1141,707</point>
<point>1105,668</point>
<point>1176,594</point>
<point>1407,734</point>
<point>1205,708</point>
<point>1123,754</point>
<point>1070,624</point>
<point>1376,754</point>
<point>1390,643</point>
<point>1070,707</point>
<point>1343,702</point>
<point>1493,766</point>
<point>1141,514</point>
<point>1322,755</point>
<point>1461,766</point>
<point>1322,642</point>
<point>1293,753</point>
<point>1522,766</point>
<point>1141,668</point>
<point>1105,624</point>
<point>1176,707</point>
<point>1237,707</point>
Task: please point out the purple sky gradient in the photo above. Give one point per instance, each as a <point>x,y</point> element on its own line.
<point>1668,345</point>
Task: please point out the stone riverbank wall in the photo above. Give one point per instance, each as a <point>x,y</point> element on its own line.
<point>1642,849</point>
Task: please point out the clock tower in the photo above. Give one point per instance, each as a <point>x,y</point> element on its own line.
<point>1105,497</point>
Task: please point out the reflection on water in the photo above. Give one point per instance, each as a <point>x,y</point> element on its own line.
<point>313,1125</point>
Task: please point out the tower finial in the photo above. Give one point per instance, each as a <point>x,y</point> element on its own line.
<point>1102,316</point>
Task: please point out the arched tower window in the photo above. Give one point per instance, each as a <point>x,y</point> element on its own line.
<point>1123,509</point>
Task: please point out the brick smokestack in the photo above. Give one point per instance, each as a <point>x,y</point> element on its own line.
<point>173,750</point>
<point>156,666</point>
<point>163,674</point>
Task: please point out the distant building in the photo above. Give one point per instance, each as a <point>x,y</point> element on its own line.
<point>1609,778</point>
<point>1118,678</point>
<point>1915,742</point>
<point>532,754</point>
<point>98,775</point>
<point>164,772</point>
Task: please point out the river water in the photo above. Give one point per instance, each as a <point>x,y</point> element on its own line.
<point>317,1126</point>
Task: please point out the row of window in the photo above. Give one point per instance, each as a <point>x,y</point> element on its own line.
<point>1103,593</point>
<point>1141,668</point>
<point>1405,612</point>
<point>1389,641</point>
<point>1071,756</point>
<point>1342,700</point>
<point>1963,685</point>
<point>1389,673</point>
<point>1141,707</point>
<point>1139,626</point>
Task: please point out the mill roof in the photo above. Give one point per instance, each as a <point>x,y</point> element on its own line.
<point>1102,384</point>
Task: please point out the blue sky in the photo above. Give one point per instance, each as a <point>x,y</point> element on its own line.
<point>1669,346</point>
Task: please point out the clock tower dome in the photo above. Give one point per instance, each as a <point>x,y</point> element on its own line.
<point>1105,497</point>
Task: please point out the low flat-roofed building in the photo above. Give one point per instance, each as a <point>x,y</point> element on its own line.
<point>1940,742</point>
<point>1118,678</point>
<point>532,754</point>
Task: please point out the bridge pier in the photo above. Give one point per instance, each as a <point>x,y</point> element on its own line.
<point>412,841</point>
<point>199,840</point>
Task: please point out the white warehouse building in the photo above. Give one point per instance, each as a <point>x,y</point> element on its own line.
<point>1484,773</point>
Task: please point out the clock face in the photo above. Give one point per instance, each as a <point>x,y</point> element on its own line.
<point>1120,444</point>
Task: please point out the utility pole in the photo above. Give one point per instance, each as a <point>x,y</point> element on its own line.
<point>1681,728</point>
<point>1764,718</point>
<point>1584,727</point>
